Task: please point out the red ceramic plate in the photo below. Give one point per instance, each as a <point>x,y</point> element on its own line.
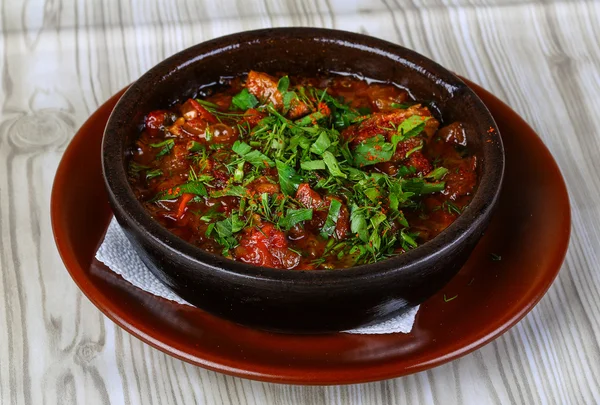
<point>530,231</point>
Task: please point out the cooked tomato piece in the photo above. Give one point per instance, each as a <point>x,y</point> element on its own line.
<point>221,133</point>
<point>154,121</point>
<point>183,201</point>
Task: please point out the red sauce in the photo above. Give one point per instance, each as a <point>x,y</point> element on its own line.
<point>302,173</point>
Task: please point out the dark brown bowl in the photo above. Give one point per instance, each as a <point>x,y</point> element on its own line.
<point>302,301</point>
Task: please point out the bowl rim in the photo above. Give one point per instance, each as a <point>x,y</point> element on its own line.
<point>135,216</point>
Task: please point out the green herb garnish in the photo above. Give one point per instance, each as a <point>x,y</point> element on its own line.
<point>252,156</point>
<point>196,187</point>
<point>166,147</point>
<point>333,165</point>
<point>372,151</point>
<point>153,173</point>
<point>449,299</point>
<point>135,168</point>
<point>295,216</point>
<point>194,146</point>
<point>332,218</point>
<point>288,179</point>
<point>321,144</point>
<point>313,165</point>
<point>244,100</point>
<point>233,191</point>
<point>437,174</point>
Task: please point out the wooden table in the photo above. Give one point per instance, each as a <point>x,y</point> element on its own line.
<point>61,59</point>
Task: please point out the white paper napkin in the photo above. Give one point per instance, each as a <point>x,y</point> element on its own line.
<point>118,255</point>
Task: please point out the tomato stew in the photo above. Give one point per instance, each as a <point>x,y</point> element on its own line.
<point>302,173</point>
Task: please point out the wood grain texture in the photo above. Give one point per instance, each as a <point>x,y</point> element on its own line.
<point>61,59</point>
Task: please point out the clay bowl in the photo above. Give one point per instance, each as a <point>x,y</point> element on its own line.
<point>302,301</point>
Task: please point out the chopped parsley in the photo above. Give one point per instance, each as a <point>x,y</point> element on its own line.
<point>244,100</point>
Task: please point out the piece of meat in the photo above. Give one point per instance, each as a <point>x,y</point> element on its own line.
<point>384,123</point>
<point>264,88</point>
<point>388,168</point>
<point>223,100</point>
<point>253,117</point>
<point>454,133</point>
<point>382,96</point>
<point>461,180</point>
<point>311,199</point>
<point>177,127</point>
<point>298,109</point>
<point>311,245</point>
<point>416,159</point>
<point>220,175</point>
<point>354,92</point>
<point>419,162</point>
<point>263,185</point>
<point>404,147</point>
<point>176,159</point>
<point>267,247</point>
<point>187,110</point>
